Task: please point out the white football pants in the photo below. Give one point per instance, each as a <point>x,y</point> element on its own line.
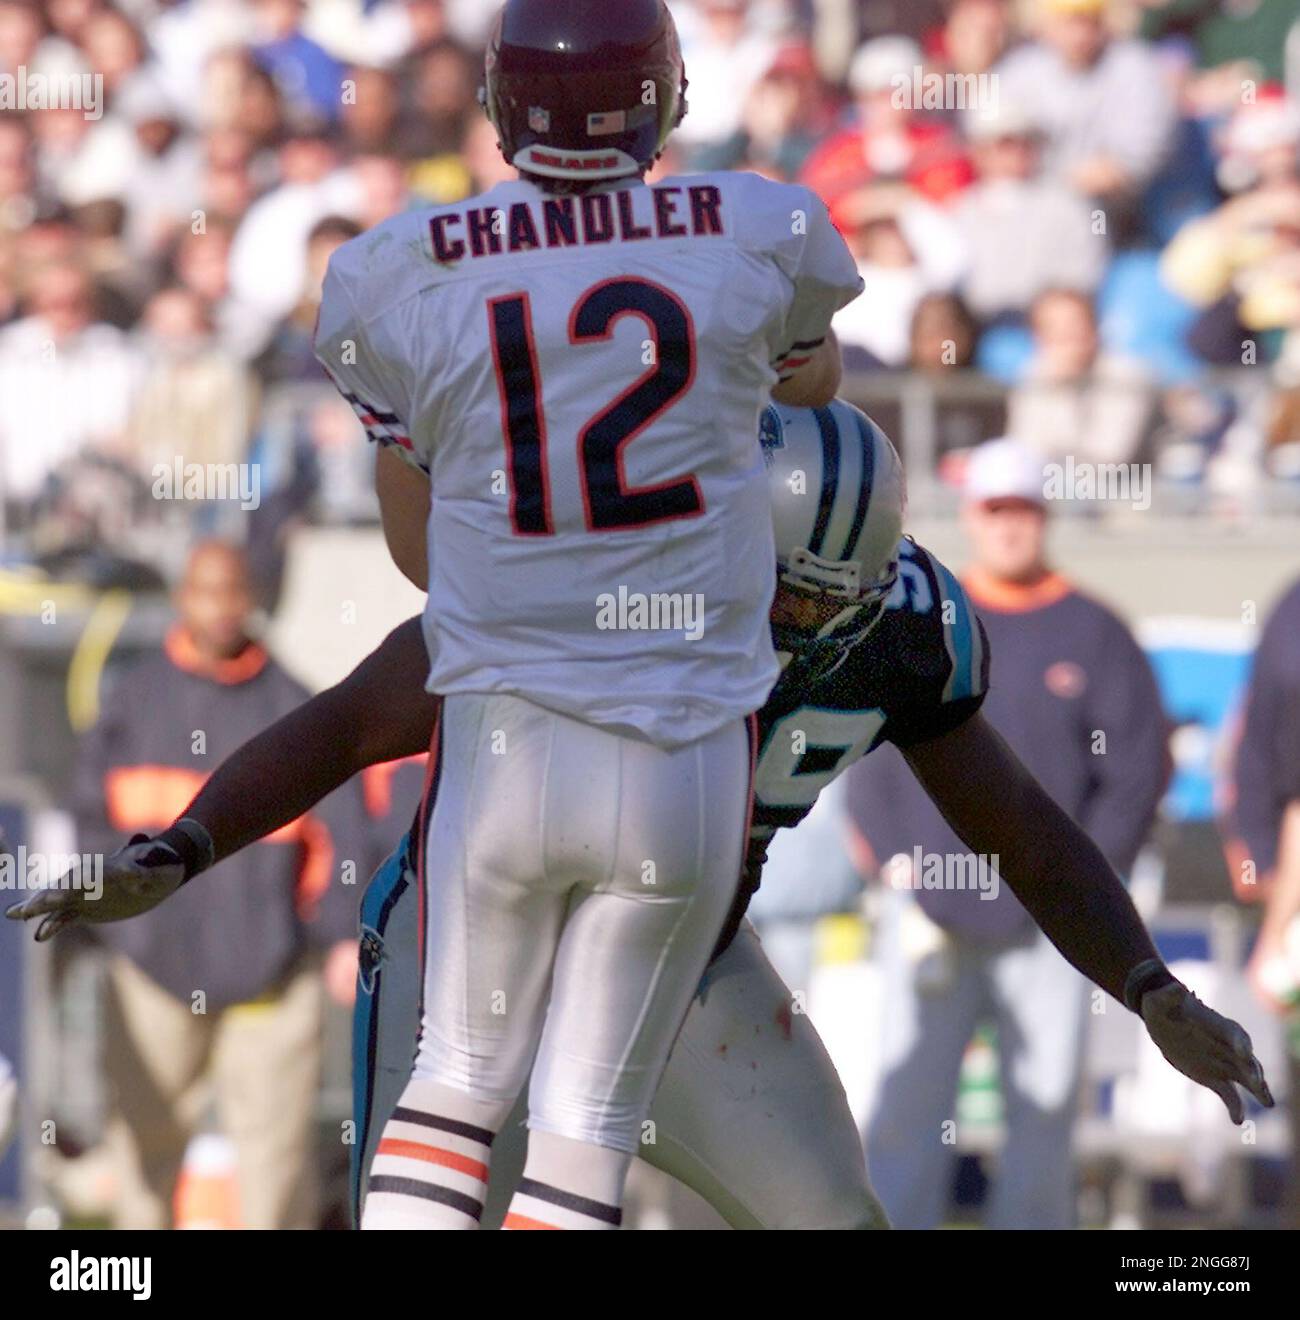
<point>750,1113</point>
<point>575,882</point>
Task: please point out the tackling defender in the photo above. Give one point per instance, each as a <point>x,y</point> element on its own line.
<point>749,1113</point>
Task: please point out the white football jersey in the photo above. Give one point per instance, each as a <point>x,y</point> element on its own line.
<point>581,378</point>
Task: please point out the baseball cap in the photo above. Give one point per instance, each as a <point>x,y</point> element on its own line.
<point>881,60</point>
<point>1272,121</point>
<point>1004,469</point>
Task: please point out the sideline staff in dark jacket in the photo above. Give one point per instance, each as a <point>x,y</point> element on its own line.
<point>227,993</point>
<point>1264,831</point>
<point>1076,700</point>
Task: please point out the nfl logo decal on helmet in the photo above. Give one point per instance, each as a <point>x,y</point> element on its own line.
<point>584,90</point>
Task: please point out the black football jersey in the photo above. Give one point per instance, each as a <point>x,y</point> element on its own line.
<point>918,674</point>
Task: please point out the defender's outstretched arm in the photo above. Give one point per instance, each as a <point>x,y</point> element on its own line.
<point>996,806</point>
<point>380,712</point>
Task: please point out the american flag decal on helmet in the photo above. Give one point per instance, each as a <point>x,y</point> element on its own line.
<point>611,121</point>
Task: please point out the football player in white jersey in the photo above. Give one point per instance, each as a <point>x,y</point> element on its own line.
<point>564,377</point>
<point>882,645</point>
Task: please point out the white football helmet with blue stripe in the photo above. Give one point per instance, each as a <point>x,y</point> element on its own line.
<point>838,503</point>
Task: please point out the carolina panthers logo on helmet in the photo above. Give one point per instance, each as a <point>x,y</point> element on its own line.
<point>370,957</point>
<point>771,435</point>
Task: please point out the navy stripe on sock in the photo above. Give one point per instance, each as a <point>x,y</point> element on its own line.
<point>458,1129</point>
<point>467,1205</point>
<point>582,1205</point>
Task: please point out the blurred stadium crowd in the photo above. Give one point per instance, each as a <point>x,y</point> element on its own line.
<point>1092,209</point>
<point>1078,222</point>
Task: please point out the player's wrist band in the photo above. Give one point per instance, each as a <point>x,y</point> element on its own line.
<point>1148,975</point>
<point>191,842</point>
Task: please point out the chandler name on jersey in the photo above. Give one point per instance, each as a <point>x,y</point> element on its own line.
<point>922,671</point>
<point>581,378</point>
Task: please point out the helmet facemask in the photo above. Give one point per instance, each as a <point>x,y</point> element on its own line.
<point>820,649</point>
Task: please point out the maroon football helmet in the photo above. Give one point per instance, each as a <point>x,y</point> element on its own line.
<point>583,90</point>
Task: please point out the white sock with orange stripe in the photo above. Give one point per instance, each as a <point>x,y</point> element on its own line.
<point>569,1184</point>
<point>431,1165</point>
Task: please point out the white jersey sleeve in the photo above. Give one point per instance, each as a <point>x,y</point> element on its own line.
<point>794,227</point>
<point>374,387</point>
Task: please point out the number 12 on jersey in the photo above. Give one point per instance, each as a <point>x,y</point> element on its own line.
<point>608,502</point>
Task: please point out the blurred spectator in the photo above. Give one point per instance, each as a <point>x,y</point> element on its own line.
<point>1264,836</point>
<point>484,162</point>
<point>51,237</point>
<point>17,175</point>
<point>1259,146</point>
<point>1264,762</point>
<point>943,346</point>
<point>1025,233</point>
<point>70,18</point>
<point>1194,421</point>
<point>1241,264</point>
<point>1074,696</point>
<point>224,994</point>
<point>138,155</point>
<point>1076,398</point>
<point>943,334</point>
<point>67,381</point>
<point>122,282</point>
<point>906,248</point>
<point>430,21</point>
<point>889,139</point>
<point>843,25</point>
<point>308,77</point>
<point>784,116</point>
<point>268,257</point>
<point>974,36</point>
<point>443,81</point>
<point>114,48</point>
<point>371,109</point>
<point>379,188</point>
<point>1250,37</point>
<point>22,28</point>
<point>196,402</point>
<point>443,104</point>
<point>238,94</point>
<point>1282,432</point>
<point>201,262</point>
<point>8,282</point>
<point>289,356</point>
<point>1101,102</point>
<point>227,188</point>
<point>184,38</point>
<point>726,54</point>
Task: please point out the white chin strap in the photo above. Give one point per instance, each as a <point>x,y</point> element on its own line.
<point>841,618</point>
